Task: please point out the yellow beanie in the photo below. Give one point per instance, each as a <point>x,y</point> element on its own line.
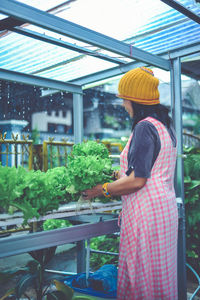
<point>139,85</point>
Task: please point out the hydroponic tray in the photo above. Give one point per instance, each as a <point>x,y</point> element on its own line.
<point>71,209</point>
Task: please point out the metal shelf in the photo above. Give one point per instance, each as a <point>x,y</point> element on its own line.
<point>34,241</point>
<point>92,221</point>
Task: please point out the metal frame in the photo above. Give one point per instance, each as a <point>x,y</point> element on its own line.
<point>78,118</point>
<point>168,61</point>
<point>51,40</point>
<point>184,10</point>
<point>42,19</point>
<point>179,183</point>
<point>53,84</point>
<point>116,71</point>
<point>40,240</point>
<point>39,81</point>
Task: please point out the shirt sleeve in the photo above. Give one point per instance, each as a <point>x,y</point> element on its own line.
<point>144,149</point>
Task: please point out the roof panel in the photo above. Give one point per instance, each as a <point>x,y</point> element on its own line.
<point>170,38</point>
<point>46,5</point>
<point>154,28</point>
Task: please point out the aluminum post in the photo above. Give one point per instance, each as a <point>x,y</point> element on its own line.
<point>78,117</point>
<point>179,178</point>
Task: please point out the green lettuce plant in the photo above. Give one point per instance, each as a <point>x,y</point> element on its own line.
<point>36,193</point>
<point>89,164</point>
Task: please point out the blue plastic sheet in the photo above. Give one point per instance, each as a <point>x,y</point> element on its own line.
<point>102,283</point>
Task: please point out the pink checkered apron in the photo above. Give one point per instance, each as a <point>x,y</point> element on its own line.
<point>149,229</point>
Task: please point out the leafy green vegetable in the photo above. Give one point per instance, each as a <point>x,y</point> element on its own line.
<point>90,148</point>
<point>10,185</point>
<point>33,192</point>
<point>37,193</point>
<point>89,164</point>
<point>56,223</point>
<point>86,172</point>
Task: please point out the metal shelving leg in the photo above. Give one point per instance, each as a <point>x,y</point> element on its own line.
<point>81,255</point>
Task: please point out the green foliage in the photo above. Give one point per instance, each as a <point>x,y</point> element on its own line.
<point>10,185</point>
<point>55,224</point>
<point>89,164</point>
<point>35,193</point>
<point>192,205</point>
<point>32,192</point>
<point>90,148</point>
<point>109,243</point>
<point>85,172</point>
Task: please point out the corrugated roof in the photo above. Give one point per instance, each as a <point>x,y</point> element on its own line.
<point>154,28</point>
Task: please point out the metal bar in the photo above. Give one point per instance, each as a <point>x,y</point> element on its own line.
<point>40,240</point>
<point>198,279</point>
<point>39,81</point>
<point>182,9</point>
<point>48,21</point>
<point>101,75</point>
<point>55,143</point>
<point>179,184</point>
<point>9,23</point>
<point>15,142</point>
<point>116,71</point>
<point>45,156</point>
<point>87,260</point>
<point>60,272</point>
<point>78,117</point>
<point>51,155</point>
<point>73,47</point>
<point>177,113</point>
<point>30,156</point>
<point>58,156</point>
<point>81,254</point>
<point>104,252</point>
<point>182,280</point>
<point>182,51</point>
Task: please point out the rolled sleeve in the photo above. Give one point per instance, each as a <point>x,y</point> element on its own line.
<point>143,150</point>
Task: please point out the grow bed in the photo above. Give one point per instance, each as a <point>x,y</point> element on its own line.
<point>64,211</point>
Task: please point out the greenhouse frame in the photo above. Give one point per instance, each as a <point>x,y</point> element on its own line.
<point>170,60</point>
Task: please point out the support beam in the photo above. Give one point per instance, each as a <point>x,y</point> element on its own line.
<point>116,71</point>
<point>177,117</point>
<point>40,240</point>
<point>53,23</point>
<point>78,117</point>
<point>186,50</point>
<point>9,23</point>
<point>98,76</point>
<point>66,45</point>
<point>39,81</point>
<point>179,183</point>
<point>182,9</point>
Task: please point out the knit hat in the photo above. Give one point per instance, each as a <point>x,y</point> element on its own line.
<point>139,85</point>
